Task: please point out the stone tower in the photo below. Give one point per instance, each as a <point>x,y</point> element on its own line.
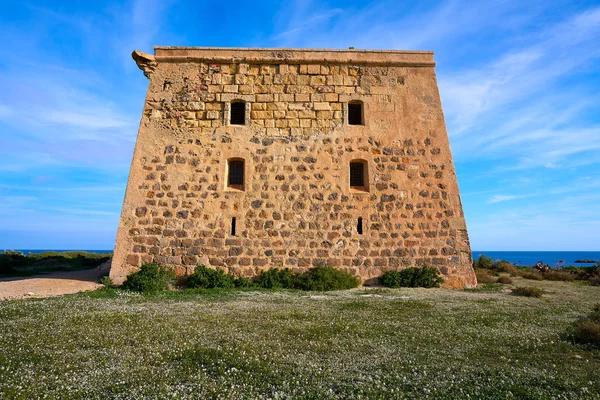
<point>248,159</point>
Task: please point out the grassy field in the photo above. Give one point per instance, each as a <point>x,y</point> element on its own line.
<point>375,343</point>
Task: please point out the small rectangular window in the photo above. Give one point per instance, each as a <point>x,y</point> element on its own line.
<point>233,221</point>
<point>238,113</point>
<point>359,226</point>
<point>355,114</point>
<point>235,176</point>
<point>357,174</point>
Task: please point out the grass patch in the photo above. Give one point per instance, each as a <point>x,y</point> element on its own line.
<point>558,276</point>
<point>534,276</point>
<point>483,276</point>
<point>486,287</point>
<point>505,280</point>
<point>376,291</point>
<point>528,291</point>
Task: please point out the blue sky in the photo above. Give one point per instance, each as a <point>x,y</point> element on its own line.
<point>519,83</point>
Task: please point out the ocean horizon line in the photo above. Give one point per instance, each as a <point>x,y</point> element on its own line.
<point>473,251</point>
<point>553,258</point>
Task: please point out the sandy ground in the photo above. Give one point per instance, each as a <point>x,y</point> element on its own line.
<point>54,284</point>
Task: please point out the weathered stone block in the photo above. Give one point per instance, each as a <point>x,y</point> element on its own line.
<point>321,106</point>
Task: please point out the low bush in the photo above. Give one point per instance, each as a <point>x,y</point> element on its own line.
<point>208,278</point>
<point>533,276</point>
<point>484,277</point>
<point>106,281</point>
<point>483,262</point>
<point>151,278</point>
<point>11,259</point>
<point>506,267</point>
<point>558,276</point>
<point>528,291</point>
<point>505,280</point>
<point>317,279</point>
<point>587,329</point>
<point>488,263</point>
<point>325,278</point>
<point>244,283</point>
<point>424,276</point>
<point>275,278</point>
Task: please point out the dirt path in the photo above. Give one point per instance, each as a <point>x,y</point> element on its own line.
<point>54,284</point>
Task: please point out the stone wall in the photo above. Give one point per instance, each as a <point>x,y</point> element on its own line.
<point>297,208</point>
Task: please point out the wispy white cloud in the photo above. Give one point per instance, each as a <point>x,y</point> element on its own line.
<point>57,120</point>
<point>479,96</point>
<point>570,225</point>
<point>500,198</point>
<point>146,21</point>
<point>308,23</point>
<point>581,185</point>
<point>518,111</point>
<point>75,189</point>
<point>84,120</point>
<point>398,25</point>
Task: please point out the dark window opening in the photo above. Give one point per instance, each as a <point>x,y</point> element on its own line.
<point>233,226</point>
<point>238,113</point>
<point>359,226</point>
<point>355,114</point>
<point>357,174</point>
<point>235,174</point>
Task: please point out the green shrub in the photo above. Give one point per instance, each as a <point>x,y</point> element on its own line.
<point>276,278</point>
<point>325,278</point>
<point>558,276</point>
<point>533,276</point>
<point>245,283</point>
<point>317,279</point>
<point>528,291</point>
<point>151,278</point>
<point>106,281</point>
<point>11,259</point>
<point>483,262</point>
<point>424,276</point>
<point>484,277</point>
<point>587,329</point>
<point>208,278</point>
<point>505,280</point>
<point>591,274</point>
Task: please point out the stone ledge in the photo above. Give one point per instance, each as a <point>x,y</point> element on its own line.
<point>406,58</point>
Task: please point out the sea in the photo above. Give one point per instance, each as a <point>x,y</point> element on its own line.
<point>43,251</point>
<point>555,259</point>
<point>521,258</point>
